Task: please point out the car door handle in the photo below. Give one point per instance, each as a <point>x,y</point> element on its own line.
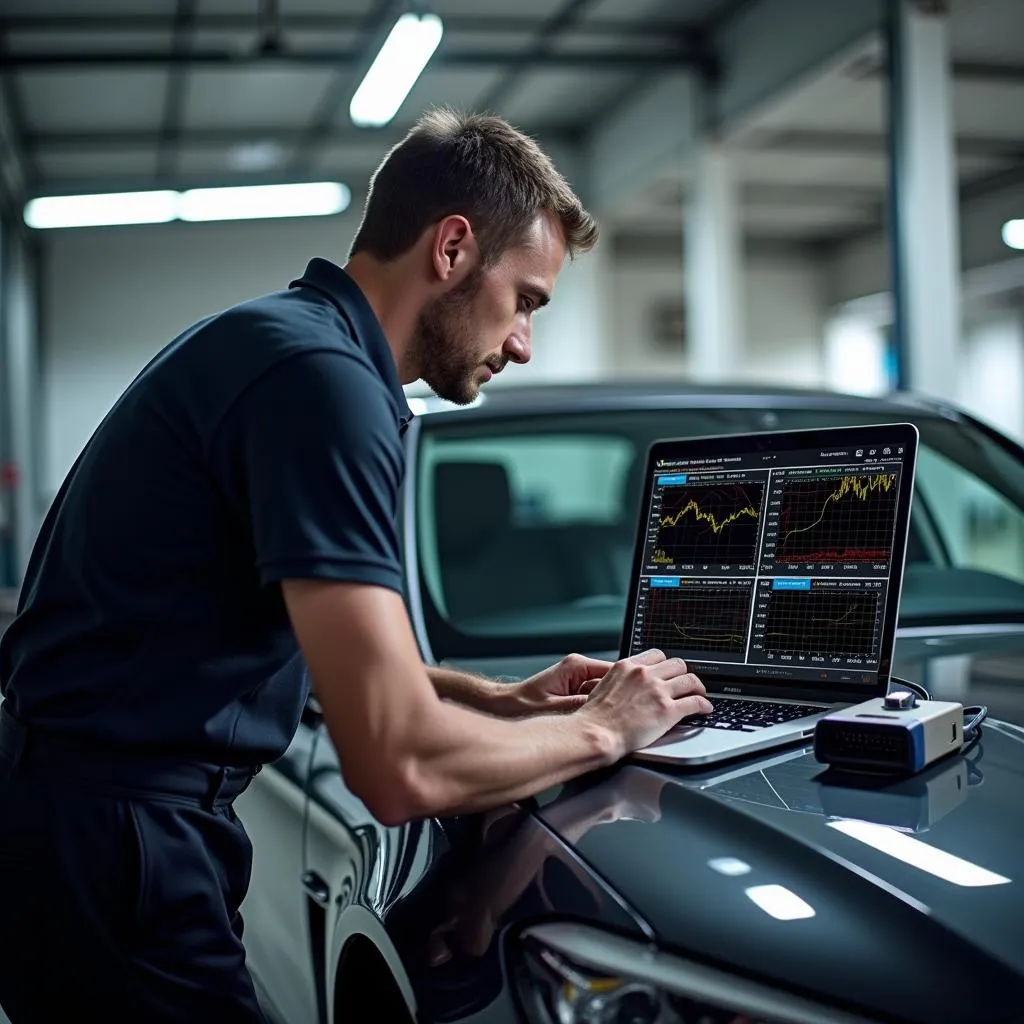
<point>316,888</point>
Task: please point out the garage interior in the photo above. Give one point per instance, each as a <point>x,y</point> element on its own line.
<point>816,194</point>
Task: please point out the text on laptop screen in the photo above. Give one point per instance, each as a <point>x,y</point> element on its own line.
<point>759,566</point>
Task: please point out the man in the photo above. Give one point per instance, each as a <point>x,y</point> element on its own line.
<point>235,509</point>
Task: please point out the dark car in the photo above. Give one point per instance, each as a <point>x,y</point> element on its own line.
<point>760,890</point>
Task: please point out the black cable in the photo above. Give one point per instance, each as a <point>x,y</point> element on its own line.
<point>972,729</point>
<point>916,687</point>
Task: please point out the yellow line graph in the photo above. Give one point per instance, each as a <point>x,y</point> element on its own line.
<point>860,486</point>
<point>709,517</point>
<point>731,638</point>
<point>829,622</point>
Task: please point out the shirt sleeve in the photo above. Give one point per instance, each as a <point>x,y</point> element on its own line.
<point>311,457</point>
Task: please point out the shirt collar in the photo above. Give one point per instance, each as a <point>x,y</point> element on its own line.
<point>332,281</point>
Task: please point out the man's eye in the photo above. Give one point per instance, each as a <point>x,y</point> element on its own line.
<point>526,304</point>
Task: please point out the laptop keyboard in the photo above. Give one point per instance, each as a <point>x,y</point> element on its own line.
<point>748,715</point>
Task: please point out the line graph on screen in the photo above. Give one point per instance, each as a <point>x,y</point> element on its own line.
<point>849,518</point>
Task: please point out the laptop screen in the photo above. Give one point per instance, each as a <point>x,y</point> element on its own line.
<point>775,558</point>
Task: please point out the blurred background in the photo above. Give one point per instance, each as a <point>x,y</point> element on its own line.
<point>821,193</point>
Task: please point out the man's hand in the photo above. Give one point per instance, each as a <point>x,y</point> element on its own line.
<point>560,688</point>
<point>641,698</point>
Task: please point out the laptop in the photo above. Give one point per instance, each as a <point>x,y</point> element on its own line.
<point>772,563</point>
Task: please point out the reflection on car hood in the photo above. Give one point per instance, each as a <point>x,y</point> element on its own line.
<point>911,892</point>
<point>895,929</point>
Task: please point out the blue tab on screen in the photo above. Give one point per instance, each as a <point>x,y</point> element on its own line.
<point>675,478</point>
<point>664,581</point>
<point>802,583</point>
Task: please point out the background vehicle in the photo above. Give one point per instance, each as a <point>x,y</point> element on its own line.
<point>519,517</point>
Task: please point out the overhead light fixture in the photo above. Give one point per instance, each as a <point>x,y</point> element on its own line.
<point>1013,234</point>
<point>922,856</point>
<point>101,210</point>
<point>253,202</point>
<point>409,46</point>
<point>246,202</point>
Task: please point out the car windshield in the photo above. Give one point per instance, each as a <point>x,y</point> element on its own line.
<point>525,525</point>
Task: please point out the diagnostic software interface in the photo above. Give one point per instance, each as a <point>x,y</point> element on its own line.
<point>772,565</point>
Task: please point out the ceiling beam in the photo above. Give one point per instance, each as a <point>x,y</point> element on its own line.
<point>831,143</point>
<point>217,138</point>
<point>105,24</point>
<point>345,60</point>
<point>867,143</point>
<point>961,70</point>
<point>546,33</point>
<point>1008,177</point>
<point>981,71</point>
<point>16,163</point>
<point>174,97</point>
<point>967,192</point>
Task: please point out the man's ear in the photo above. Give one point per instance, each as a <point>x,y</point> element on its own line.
<point>454,252</point>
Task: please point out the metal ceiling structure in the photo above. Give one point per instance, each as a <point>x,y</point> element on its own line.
<point>140,89</point>
<point>150,93</point>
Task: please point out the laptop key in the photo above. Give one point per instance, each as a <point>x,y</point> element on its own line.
<point>749,715</point>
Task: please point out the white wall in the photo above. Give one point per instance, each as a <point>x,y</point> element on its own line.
<point>783,312</point>
<point>113,297</point>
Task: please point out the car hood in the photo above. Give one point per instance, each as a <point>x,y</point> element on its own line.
<point>916,888</point>
<point>911,891</point>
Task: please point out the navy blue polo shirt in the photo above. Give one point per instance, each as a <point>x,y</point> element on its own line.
<point>262,444</point>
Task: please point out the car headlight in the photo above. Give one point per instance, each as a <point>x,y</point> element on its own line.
<point>574,974</point>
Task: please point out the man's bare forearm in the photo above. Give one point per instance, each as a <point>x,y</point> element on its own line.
<point>472,691</point>
<point>466,762</point>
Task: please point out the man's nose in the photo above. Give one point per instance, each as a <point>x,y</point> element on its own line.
<point>517,348</point>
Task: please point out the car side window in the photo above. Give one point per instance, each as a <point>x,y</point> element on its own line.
<point>979,527</point>
<point>511,508</point>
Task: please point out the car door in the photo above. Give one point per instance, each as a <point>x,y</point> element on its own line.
<point>353,868</point>
<point>277,938</point>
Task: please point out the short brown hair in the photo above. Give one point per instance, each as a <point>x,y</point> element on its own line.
<point>476,165</point>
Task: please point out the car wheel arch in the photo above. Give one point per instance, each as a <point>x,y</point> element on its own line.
<point>358,935</point>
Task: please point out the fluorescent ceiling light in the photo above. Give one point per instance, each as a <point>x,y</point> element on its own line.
<point>251,202</point>
<point>101,210</point>
<point>247,202</point>
<point>1013,234</point>
<point>909,850</point>
<point>409,45</point>
<point>779,902</point>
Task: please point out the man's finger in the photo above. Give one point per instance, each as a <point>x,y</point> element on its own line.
<point>670,668</point>
<point>591,668</point>
<point>649,657</point>
<point>695,705</point>
<point>588,686</point>
<point>687,685</point>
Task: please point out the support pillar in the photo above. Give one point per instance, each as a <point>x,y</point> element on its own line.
<point>19,402</point>
<point>712,268</point>
<point>925,235</point>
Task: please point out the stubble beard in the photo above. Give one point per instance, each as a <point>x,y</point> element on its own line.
<point>445,345</point>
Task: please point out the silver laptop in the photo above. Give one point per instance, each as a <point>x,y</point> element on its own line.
<point>772,563</point>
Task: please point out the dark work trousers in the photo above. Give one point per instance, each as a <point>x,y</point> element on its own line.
<point>120,882</point>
